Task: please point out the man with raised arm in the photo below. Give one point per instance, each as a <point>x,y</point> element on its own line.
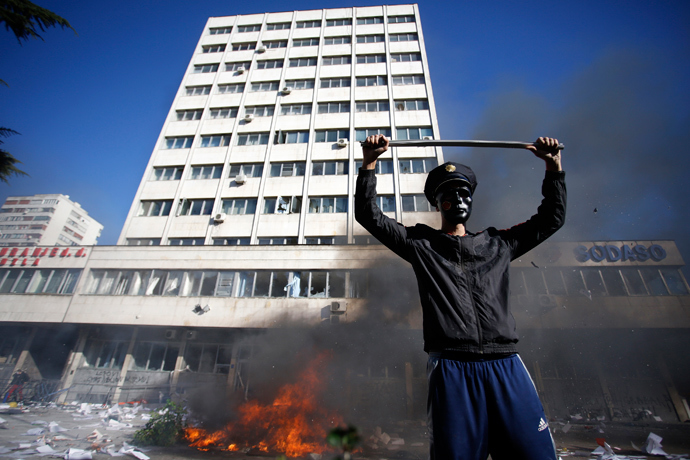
<point>481,398</point>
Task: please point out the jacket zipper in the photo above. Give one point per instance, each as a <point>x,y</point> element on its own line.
<point>474,304</point>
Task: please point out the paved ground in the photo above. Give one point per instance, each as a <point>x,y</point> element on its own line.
<point>580,439</point>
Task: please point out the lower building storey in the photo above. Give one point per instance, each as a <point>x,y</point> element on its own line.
<point>580,374</point>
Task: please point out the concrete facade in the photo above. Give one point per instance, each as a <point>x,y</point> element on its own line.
<point>46,220</point>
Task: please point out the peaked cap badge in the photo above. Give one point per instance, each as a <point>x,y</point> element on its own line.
<point>450,168</point>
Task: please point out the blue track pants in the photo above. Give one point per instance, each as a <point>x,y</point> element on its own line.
<point>481,406</point>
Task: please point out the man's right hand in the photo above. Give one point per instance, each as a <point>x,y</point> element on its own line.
<point>372,148</point>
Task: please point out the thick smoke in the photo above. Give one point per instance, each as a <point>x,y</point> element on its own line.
<point>624,123</point>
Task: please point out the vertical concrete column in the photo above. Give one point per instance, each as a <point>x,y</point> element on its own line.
<point>539,383</point>
<point>25,361</point>
<point>75,359</point>
<point>180,365</point>
<point>672,391</point>
<point>125,366</point>
<point>608,400</point>
<point>232,372</point>
<point>409,391</point>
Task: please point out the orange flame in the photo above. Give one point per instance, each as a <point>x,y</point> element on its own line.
<point>295,423</point>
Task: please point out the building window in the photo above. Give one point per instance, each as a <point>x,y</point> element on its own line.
<point>372,106</point>
<point>275,44</point>
<point>205,68</point>
<point>236,66</point>
<point>185,241</point>
<point>362,134</point>
<point>238,206</point>
<point>308,24</point>
<point>278,26</point>
<point>213,49</point>
<point>187,115</point>
<point>401,80</point>
<point>331,135</point>
<point>300,84</point>
<point>38,281</point>
<point>250,28</point>
<point>334,107</point>
<point>367,21</point>
<point>379,80</point>
<point>168,173</point>
<point>283,205</point>
<point>206,172</point>
<point>219,140</point>
<point>417,165</point>
<point>329,168</point>
<point>413,133</point>
<point>106,354</point>
<point>345,40</point>
<point>179,142</point>
<point>231,89</point>
<point>674,281</point>
<point>264,86</point>
<point>244,46</point>
<point>371,58</point>
<point>249,170</point>
<point>72,233</point>
<point>339,22</point>
<point>287,169</point>
<point>154,208</point>
<point>370,38</point>
<point>400,19</point>
<point>342,82</point>
<point>222,112</point>
<point>406,57</point>
<point>327,204</point>
<point>278,241</point>
<point>197,90</point>
<point>403,37</point>
<point>195,207</point>
<point>219,30</point>
<point>386,203</point>
<point>273,64</point>
<point>412,104</point>
<point>336,60</point>
<point>303,62</point>
<point>252,139</point>
<point>296,109</point>
<point>231,241</point>
<point>326,240</point>
<point>416,203</point>
<point>153,356</point>
<point>299,42</point>
<point>143,241</point>
<point>291,137</point>
<point>260,110</point>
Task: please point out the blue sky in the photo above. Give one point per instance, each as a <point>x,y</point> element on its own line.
<point>609,78</point>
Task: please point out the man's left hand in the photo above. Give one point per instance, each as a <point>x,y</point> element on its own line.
<point>546,148</point>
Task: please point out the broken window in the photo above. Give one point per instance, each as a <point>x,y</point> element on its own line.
<point>106,354</point>
<point>594,281</point>
<point>633,281</point>
<point>154,356</point>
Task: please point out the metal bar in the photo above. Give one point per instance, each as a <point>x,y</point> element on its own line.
<point>461,143</point>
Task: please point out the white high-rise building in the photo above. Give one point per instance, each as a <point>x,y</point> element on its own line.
<point>46,220</point>
<point>261,144</point>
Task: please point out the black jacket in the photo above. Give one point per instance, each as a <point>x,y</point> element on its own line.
<point>463,281</point>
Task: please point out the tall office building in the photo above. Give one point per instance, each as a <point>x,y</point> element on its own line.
<point>261,143</point>
<point>46,220</point>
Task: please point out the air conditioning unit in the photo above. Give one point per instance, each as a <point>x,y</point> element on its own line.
<point>546,300</point>
<point>427,138</point>
<point>240,69</point>
<point>342,143</point>
<point>261,49</point>
<point>248,117</point>
<point>219,218</point>
<point>338,307</point>
<point>170,334</point>
<point>191,335</point>
<point>240,179</point>
<point>286,90</point>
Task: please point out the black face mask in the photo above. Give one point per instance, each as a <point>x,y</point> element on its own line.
<point>454,201</point>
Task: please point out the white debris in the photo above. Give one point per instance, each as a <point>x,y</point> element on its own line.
<point>55,428</point>
<point>653,445</point>
<point>78,454</point>
<point>35,432</point>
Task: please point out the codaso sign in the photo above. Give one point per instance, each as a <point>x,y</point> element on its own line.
<point>624,253</point>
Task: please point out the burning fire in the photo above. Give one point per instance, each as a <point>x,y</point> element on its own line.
<point>295,423</point>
